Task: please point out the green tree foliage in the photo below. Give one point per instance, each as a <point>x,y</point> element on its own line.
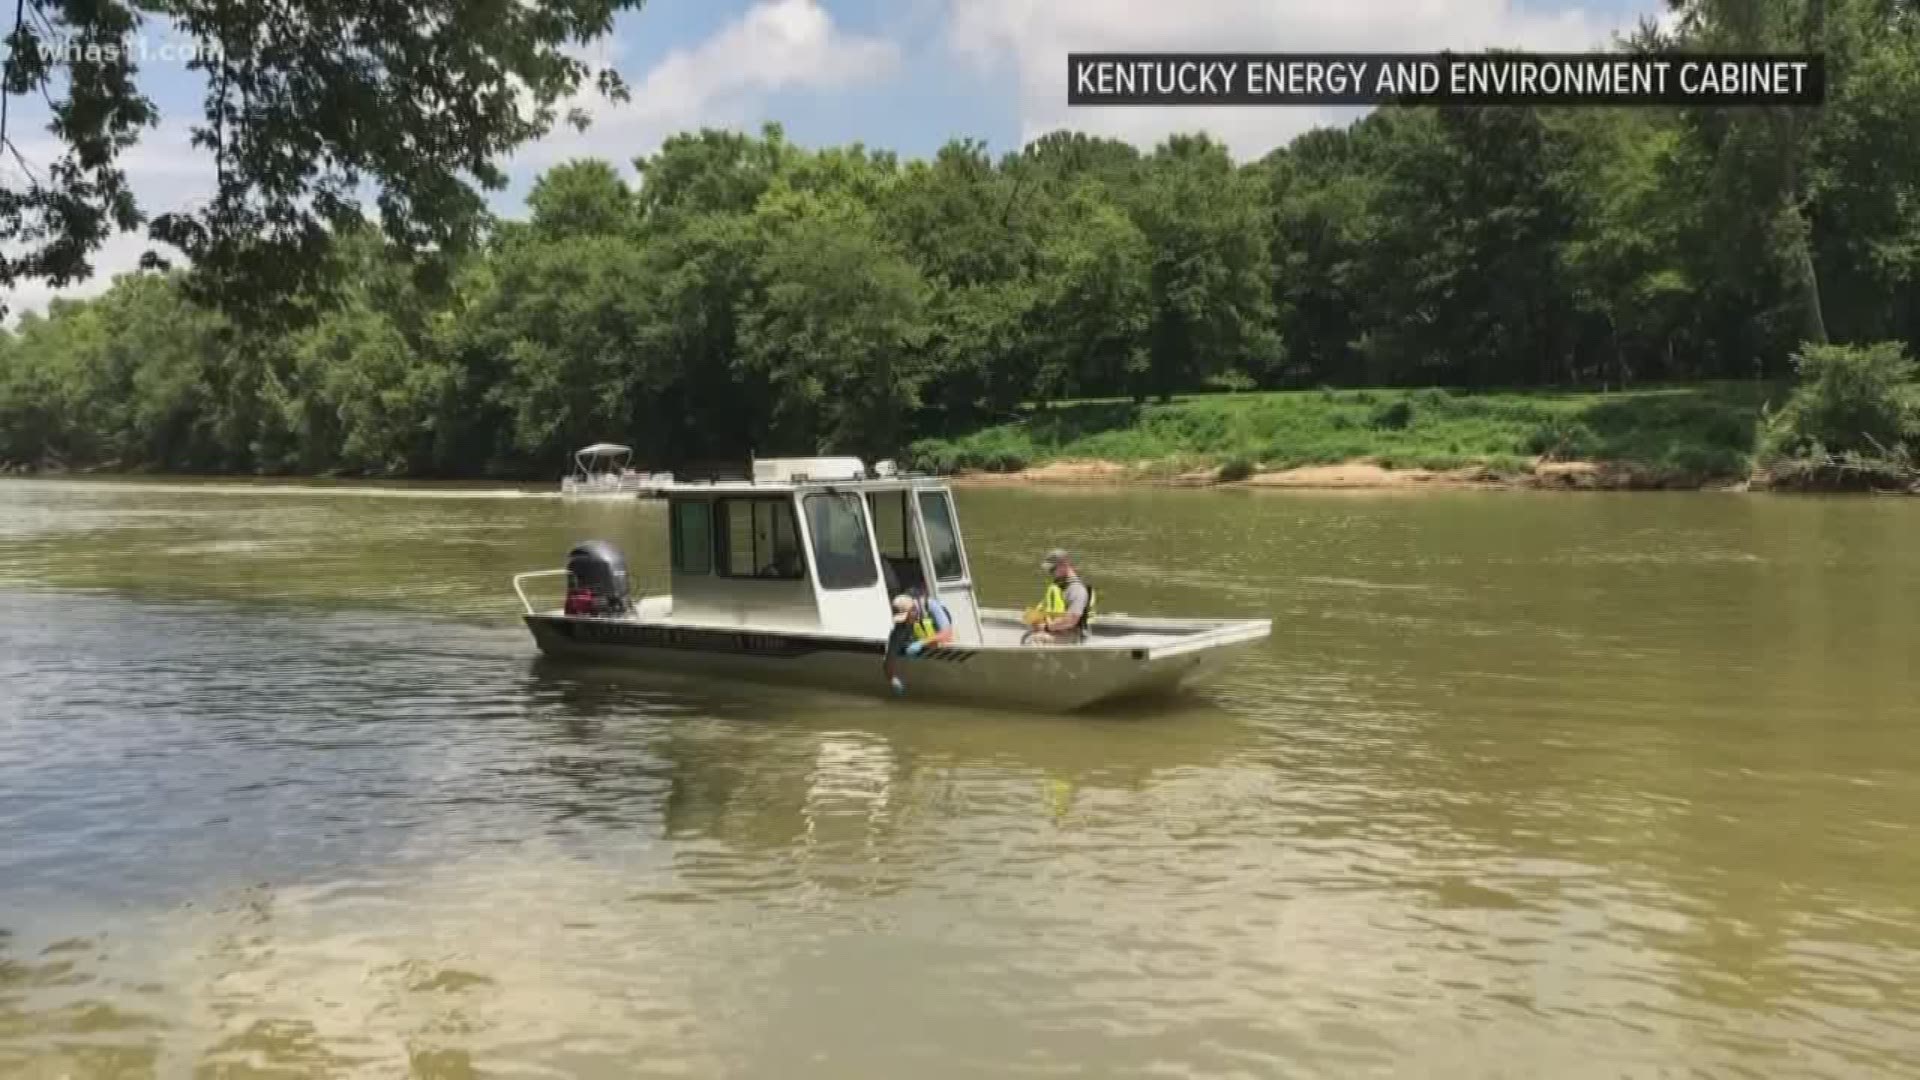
<point>1459,271</point>
<point>837,326</point>
<point>307,103</point>
<point>1093,300</point>
<point>1628,275</point>
<point>974,236</point>
<point>1851,400</point>
<point>1208,274</point>
<point>555,319</point>
<point>131,378</point>
<point>735,292</point>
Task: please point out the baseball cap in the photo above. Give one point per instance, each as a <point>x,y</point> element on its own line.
<point>902,608</point>
<point>1054,558</point>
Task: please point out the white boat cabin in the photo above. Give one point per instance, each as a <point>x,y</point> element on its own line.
<point>817,545</point>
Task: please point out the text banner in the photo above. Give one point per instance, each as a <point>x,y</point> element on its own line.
<point>1445,79</point>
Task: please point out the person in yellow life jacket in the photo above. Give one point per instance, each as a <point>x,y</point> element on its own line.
<point>927,617</point>
<point>1066,611</point>
<point>919,623</point>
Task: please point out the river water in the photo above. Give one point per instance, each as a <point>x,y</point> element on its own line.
<point>1526,785</point>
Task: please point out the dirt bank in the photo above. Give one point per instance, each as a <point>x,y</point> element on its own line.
<point>1366,474</point>
<point>1361,474</point>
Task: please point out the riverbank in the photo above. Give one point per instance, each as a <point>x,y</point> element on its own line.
<point>1359,474</point>
<point>1697,437</point>
<point>1694,437</point>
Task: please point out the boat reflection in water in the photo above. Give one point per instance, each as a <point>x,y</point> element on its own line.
<point>768,789</point>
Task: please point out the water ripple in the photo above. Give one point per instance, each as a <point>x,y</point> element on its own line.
<point>1572,788</point>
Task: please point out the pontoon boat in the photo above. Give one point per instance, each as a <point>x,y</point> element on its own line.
<point>600,472</point>
<point>786,574</point>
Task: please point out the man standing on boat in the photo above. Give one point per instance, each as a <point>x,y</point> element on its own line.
<point>919,621</point>
<point>1068,606</point>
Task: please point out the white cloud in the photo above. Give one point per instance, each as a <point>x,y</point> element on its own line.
<point>727,80</point>
<point>1033,37</point>
<point>166,172</point>
<point>118,255</point>
<point>724,81</point>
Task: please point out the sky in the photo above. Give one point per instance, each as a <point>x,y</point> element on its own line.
<point>906,75</point>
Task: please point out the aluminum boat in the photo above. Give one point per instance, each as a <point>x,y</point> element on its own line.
<point>786,573</point>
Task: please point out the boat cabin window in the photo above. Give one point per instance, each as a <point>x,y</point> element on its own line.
<point>943,539</point>
<point>757,539</point>
<point>692,536</point>
<point>841,549</point>
<point>899,546</point>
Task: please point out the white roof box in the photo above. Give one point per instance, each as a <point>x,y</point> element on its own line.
<point>790,470</point>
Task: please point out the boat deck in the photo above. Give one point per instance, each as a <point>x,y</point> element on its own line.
<point>1000,628</point>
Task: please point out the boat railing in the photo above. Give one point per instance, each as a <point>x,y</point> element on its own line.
<point>522,592</point>
<point>711,472</point>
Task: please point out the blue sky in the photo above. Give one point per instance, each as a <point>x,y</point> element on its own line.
<point>902,74</point>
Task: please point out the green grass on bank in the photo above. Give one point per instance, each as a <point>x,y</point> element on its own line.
<point>1701,430</point>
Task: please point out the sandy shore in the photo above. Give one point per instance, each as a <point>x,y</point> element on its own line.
<point>1360,474</point>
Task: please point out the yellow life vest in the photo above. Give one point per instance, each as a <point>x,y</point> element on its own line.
<point>1055,603</point>
<point>924,628</point>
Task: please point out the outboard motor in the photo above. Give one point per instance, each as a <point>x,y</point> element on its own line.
<point>596,579</point>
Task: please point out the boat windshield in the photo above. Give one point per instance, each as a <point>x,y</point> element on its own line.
<point>841,549</point>
<point>943,540</point>
<point>893,531</point>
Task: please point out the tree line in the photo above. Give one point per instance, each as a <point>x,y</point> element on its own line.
<point>743,293</point>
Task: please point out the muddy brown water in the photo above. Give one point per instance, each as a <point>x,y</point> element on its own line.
<point>1524,785</point>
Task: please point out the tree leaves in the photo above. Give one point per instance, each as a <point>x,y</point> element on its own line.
<point>309,103</point>
<point>744,294</point>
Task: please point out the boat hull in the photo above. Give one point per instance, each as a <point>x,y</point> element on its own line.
<point>628,489</point>
<point>1044,678</point>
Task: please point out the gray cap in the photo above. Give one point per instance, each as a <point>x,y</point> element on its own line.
<point>1054,558</point>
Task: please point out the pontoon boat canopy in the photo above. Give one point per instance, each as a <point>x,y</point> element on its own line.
<point>604,449</point>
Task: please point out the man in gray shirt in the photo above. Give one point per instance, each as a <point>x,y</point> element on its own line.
<point>1068,604</point>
